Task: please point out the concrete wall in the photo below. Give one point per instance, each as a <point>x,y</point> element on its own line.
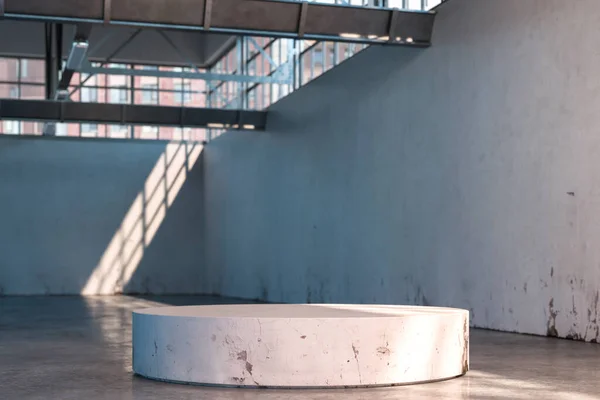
<point>99,216</point>
<point>466,174</point>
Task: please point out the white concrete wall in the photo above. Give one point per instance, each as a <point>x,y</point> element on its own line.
<point>83,216</point>
<point>466,174</point>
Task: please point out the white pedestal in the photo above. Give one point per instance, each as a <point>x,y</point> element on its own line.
<point>317,345</point>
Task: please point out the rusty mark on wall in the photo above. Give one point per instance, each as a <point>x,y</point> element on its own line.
<point>242,355</point>
<point>465,357</point>
<point>551,331</point>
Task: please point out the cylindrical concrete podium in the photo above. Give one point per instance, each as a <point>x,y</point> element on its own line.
<point>300,345</point>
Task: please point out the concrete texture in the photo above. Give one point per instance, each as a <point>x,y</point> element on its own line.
<point>72,348</point>
<point>462,175</point>
<point>99,216</point>
<point>300,345</point>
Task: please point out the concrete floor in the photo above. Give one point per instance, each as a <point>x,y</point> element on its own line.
<point>79,348</point>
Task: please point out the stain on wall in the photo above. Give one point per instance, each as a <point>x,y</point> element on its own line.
<point>465,174</point>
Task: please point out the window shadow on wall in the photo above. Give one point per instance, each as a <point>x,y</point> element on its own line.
<point>158,247</point>
<point>99,216</point>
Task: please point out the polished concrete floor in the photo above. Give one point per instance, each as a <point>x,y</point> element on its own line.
<point>80,348</point>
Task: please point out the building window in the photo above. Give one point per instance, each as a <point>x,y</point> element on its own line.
<point>24,79</point>
<point>150,129</point>
<point>183,92</point>
<point>119,95</point>
<point>11,127</point>
<point>318,57</point>
<point>24,69</point>
<point>89,95</point>
<point>119,131</point>
<point>89,129</point>
<point>149,93</point>
<point>149,132</point>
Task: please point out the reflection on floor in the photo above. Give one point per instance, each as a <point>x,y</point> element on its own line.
<point>80,348</point>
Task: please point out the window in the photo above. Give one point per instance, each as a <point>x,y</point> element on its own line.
<point>183,92</point>
<point>149,93</point>
<point>119,131</point>
<point>61,130</point>
<point>119,95</point>
<point>318,56</point>
<point>25,79</point>
<point>89,129</point>
<point>150,129</point>
<point>24,69</point>
<point>89,95</point>
<point>11,127</point>
<point>149,132</point>
<point>181,133</point>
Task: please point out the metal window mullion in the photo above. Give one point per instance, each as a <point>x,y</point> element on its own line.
<point>226,70</point>
<point>106,88</point>
<point>312,64</point>
<point>244,71</point>
<point>259,89</point>
<point>281,61</point>
<point>19,91</point>
<point>132,101</point>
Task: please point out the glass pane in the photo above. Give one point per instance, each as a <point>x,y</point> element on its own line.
<point>146,132</point>
<point>76,96</point>
<point>9,91</point>
<point>67,129</point>
<point>10,127</point>
<point>198,98</point>
<point>118,131</point>
<point>119,95</point>
<point>166,133</point>
<point>9,70</point>
<point>32,128</point>
<point>89,130</point>
<point>33,92</point>
<point>33,70</point>
<point>89,92</point>
<point>198,135</point>
<point>89,95</point>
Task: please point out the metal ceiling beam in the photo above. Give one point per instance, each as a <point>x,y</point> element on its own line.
<point>125,114</point>
<point>275,18</point>
<point>207,76</point>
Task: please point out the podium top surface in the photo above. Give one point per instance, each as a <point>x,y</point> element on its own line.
<point>292,311</point>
